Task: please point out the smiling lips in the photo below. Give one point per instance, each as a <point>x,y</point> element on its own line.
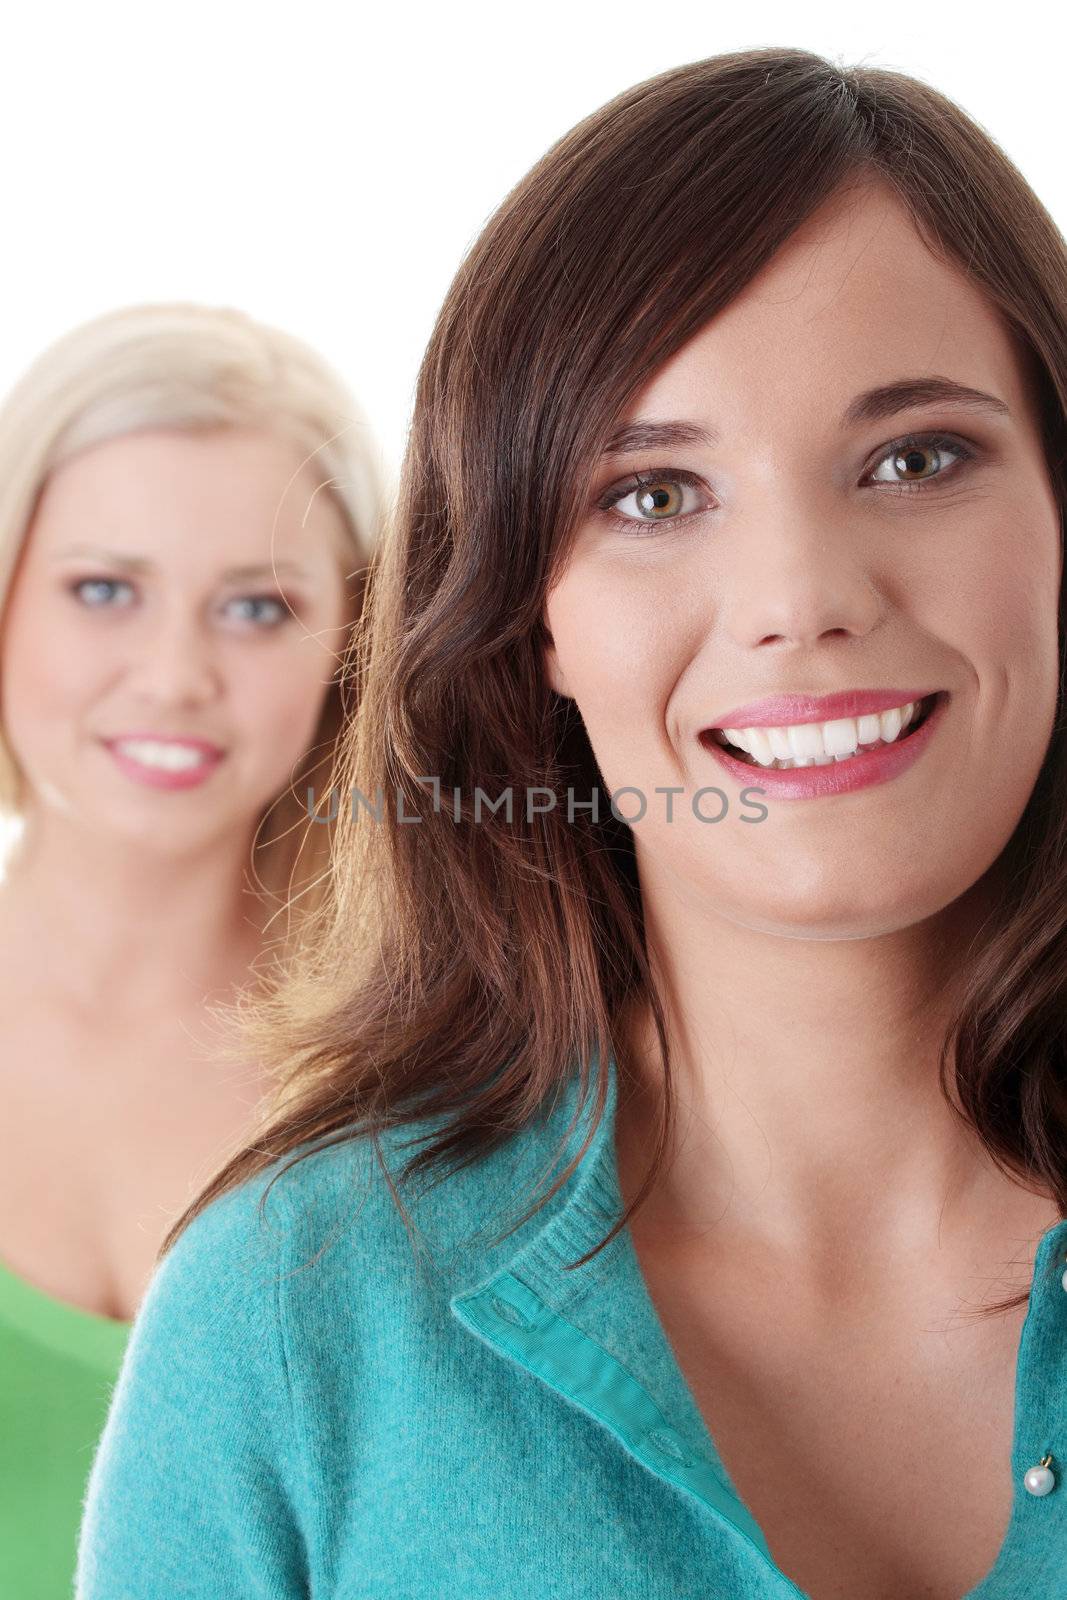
<point>803,741</point>
<point>868,736</point>
<point>164,762</point>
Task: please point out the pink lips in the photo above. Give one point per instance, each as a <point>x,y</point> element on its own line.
<point>782,710</point>
<point>836,777</point>
<point>158,777</point>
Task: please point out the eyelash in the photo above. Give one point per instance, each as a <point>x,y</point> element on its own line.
<point>641,480</point>
<point>75,588</point>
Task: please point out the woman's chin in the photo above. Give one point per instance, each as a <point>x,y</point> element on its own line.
<point>841,910</point>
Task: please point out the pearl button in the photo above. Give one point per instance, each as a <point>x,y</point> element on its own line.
<point>1063,1280</point>
<point>1039,1480</point>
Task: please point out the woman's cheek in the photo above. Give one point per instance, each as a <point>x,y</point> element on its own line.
<point>50,670</point>
<point>285,707</point>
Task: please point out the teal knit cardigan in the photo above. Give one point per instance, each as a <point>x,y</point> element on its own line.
<point>309,1408</point>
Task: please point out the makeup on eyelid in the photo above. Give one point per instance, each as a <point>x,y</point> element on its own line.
<point>932,443</point>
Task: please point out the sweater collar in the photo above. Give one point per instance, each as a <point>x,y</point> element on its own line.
<point>592,1334</point>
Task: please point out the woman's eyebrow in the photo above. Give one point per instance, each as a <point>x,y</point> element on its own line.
<point>873,405</point>
<point>141,564</point>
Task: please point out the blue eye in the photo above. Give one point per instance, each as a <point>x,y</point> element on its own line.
<point>277,612</point>
<point>96,584</point>
<point>264,611</point>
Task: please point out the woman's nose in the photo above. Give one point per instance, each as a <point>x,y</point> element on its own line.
<point>796,578</point>
<point>175,662</point>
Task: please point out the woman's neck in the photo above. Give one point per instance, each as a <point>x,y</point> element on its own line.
<point>810,1113</point>
<point>125,927</point>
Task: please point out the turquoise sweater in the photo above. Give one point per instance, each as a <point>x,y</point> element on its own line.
<point>305,1410</point>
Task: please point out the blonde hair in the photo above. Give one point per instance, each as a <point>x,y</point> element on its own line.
<point>199,367</point>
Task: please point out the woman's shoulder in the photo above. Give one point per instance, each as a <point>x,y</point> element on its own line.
<point>330,1233</point>
<point>258,1231</point>
<point>321,1210</point>
<point>275,1340</point>
<point>205,1428</point>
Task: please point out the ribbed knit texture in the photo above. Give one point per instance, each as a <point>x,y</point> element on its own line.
<point>305,1409</point>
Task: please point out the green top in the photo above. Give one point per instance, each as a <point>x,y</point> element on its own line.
<point>58,1366</point>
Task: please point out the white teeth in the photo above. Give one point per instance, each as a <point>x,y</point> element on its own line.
<point>842,738</point>
<point>760,746</point>
<point>892,722</point>
<point>806,740</point>
<point>169,757</point>
<point>818,743</point>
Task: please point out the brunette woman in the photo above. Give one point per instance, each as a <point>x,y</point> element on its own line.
<point>729,546</point>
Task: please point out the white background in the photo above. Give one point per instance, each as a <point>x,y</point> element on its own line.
<point>326,169</point>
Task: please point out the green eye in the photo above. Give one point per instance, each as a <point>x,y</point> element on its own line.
<point>929,444</point>
<point>659,496</point>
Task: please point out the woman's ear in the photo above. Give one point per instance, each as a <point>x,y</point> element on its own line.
<point>553,670</point>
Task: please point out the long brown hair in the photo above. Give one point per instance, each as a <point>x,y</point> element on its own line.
<point>466,962</point>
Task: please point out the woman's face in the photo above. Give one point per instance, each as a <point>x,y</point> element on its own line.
<point>144,611</point>
<point>801,552</point>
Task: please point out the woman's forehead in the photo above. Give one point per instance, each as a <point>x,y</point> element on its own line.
<point>249,494</point>
<point>858,303</point>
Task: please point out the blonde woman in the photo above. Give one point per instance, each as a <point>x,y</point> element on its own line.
<point>188,504</point>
